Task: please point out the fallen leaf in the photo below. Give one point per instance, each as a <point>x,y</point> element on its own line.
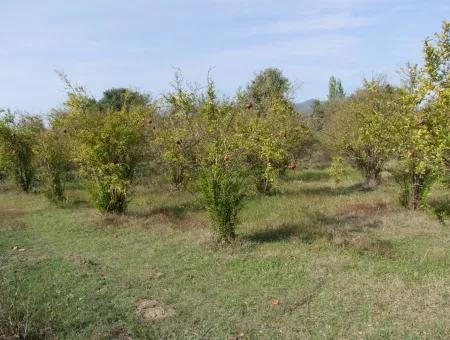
<point>275,302</point>
<point>22,249</point>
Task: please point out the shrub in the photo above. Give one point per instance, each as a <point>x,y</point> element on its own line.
<point>422,125</point>
<point>179,132</point>
<point>270,139</point>
<point>270,127</point>
<point>3,175</point>
<point>110,191</point>
<point>109,144</point>
<point>414,186</point>
<point>337,169</point>
<point>223,189</point>
<point>55,154</point>
<point>361,128</point>
<point>223,173</point>
<point>19,137</point>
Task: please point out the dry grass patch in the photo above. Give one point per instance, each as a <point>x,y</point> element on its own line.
<point>365,243</point>
<point>10,218</point>
<point>365,208</point>
<point>153,310</point>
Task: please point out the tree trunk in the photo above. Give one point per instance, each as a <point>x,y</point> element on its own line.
<point>178,175</point>
<point>416,192</point>
<point>263,186</point>
<point>372,179</point>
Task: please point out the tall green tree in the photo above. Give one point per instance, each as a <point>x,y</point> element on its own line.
<point>335,88</point>
<point>122,98</point>
<point>268,84</point>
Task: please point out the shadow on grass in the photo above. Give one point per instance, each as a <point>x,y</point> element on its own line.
<point>284,232</point>
<point>326,190</point>
<point>345,231</point>
<point>182,216</point>
<point>347,223</point>
<point>320,226</point>
<point>176,212</point>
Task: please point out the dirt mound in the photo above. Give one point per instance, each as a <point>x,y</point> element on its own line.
<point>153,310</point>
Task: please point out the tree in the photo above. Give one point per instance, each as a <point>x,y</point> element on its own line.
<point>361,129</point>
<point>436,81</point>
<point>318,115</point>
<point>268,84</point>
<point>335,89</point>
<point>19,137</point>
<point>222,171</point>
<point>270,126</point>
<point>108,146</point>
<point>423,123</point>
<point>55,151</point>
<point>271,140</point>
<point>416,148</point>
<point>121,98</point>
<point>179,131</point>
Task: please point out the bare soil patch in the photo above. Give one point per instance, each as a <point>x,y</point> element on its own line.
<point>153,310</point>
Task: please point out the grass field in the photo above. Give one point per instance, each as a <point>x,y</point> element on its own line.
<point>315,261</point>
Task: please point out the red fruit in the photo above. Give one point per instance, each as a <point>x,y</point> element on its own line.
<point>292,165</point>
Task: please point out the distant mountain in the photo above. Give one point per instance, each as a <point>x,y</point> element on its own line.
<point>305,107</point>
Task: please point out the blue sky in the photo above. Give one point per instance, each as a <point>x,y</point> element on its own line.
<point>136,43</point>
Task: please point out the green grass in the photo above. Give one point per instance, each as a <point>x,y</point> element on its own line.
<point>342,263</point>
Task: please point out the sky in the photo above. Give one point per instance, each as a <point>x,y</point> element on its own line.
<point>140,43</point>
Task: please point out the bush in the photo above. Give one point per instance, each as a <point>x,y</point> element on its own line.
<point>272,130</point>
<point>179,132</point>
<point>223,173</point>
<point>55,158</point>
<point>110,193</point>
<point>223,189</point>
<point>19,138</point>
<point>3,175</point>
<point>270,139</point>
<point>109,144</point>
<point>337,169</point>
<point>360,128</point>
<point>414,186</point>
